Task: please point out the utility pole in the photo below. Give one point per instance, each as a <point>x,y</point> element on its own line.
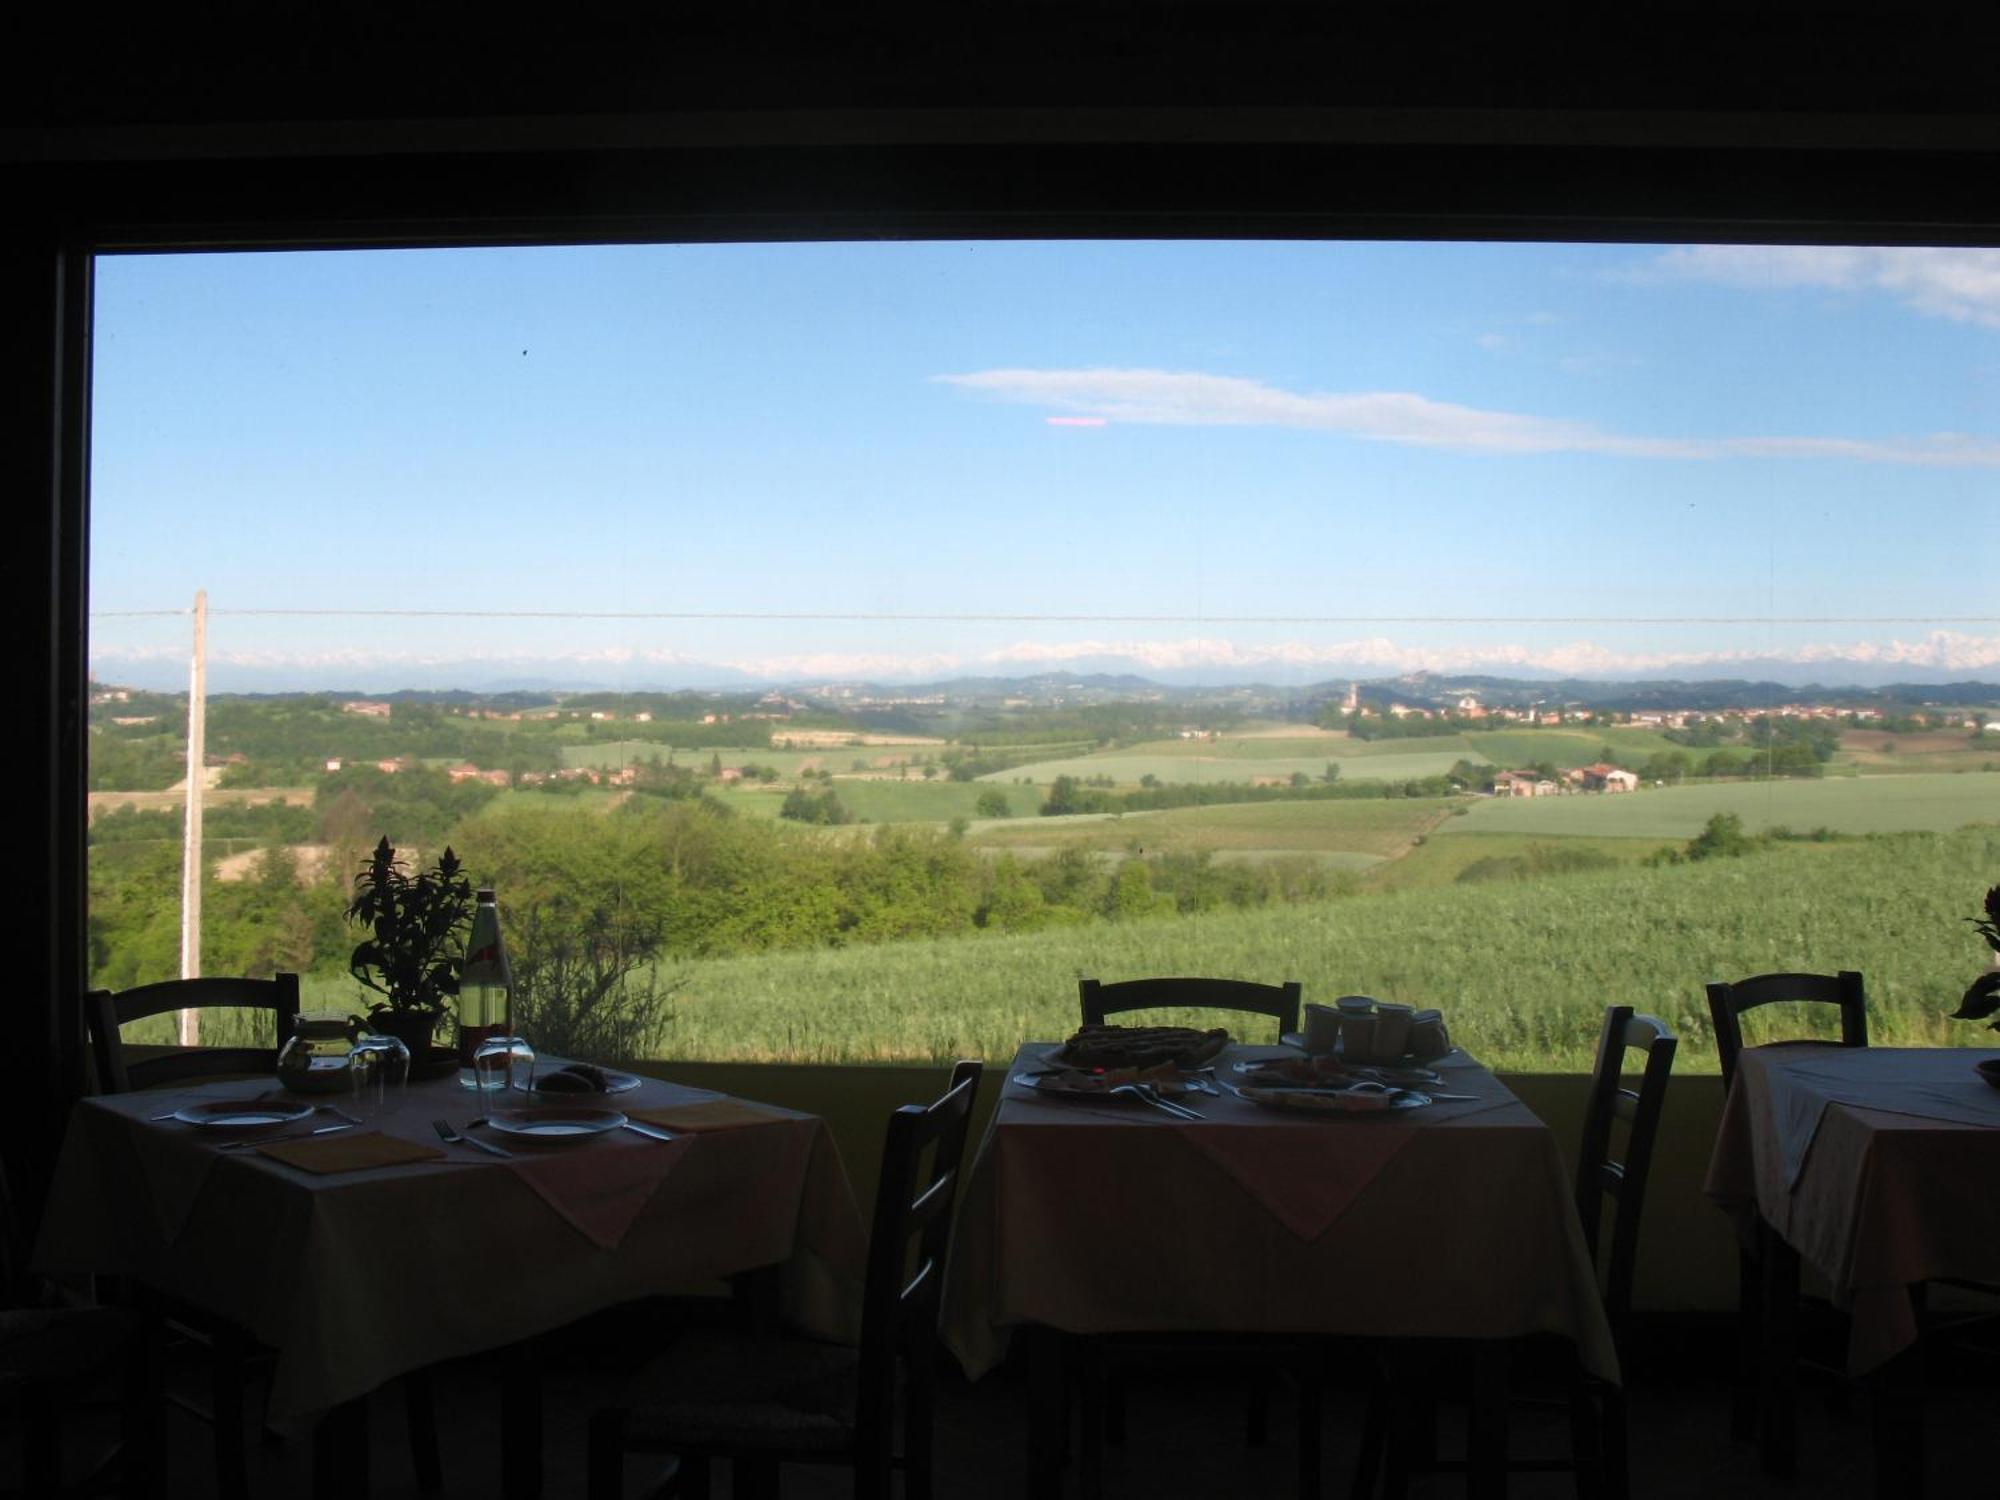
<point>189,1030</point>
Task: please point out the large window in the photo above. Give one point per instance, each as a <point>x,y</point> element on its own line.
<point>833,651</point>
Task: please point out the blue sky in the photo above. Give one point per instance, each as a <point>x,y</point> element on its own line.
<point>1589,458</point>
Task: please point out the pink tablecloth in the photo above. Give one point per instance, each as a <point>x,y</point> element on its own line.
<point>356,1277</point>
<point>1454,1221</point>
<point>1870,1163</point>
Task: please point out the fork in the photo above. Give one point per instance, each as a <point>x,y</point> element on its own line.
<point>453,1138</point>
<point>1149,1096</point>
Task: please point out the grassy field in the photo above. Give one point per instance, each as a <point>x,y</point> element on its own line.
<point>1127,766</point>
<point>890,801</point>
<point>1373,829</point>
<point>1565,747</point>
<point>1436,862</point>
<point>1521,971</point>
<point>605,755</point>
<point>1869,804</point>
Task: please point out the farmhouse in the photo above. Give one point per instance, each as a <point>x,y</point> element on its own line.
<point>1607,778</point>
<point>367,708</point>
<point>1522,784</point>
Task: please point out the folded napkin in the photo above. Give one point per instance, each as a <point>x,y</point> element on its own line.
<point>600,1187</point>
<point>348,1153</point>
<point>1304,1178</point>
<point>707,1114</point>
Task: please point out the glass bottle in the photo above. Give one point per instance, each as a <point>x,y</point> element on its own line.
<point>485,988</point>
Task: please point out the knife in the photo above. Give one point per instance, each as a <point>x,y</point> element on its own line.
<point>651,1132</point>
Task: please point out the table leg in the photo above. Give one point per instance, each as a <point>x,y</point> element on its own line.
<point>1899,1425</point>
<point>1048,1411</point>
<point>340,1452</point>
<point>1777,1359</point>
<point>521,1425</point>
<point>759,1298</point>
<point>1486,1439</point>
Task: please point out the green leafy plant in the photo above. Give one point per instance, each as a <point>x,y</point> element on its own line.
<point>415,949</point>
<point>1982,997</point>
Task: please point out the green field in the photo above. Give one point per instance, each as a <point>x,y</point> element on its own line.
<point>887,801</point>
<point>1563,748</point>
<point>1522,971</point>
<point>1438,862</point>
<point>1865,804</point>
<point>1369,829</point>
<point>1127,766</point>
<point>608,755</point>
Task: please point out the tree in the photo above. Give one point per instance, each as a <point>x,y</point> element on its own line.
<point>993,803</point>
<point>1722,838</point>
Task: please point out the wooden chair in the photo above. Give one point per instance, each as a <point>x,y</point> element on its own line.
<point>1771,1269</point>
<point>1278,1001</point>
<point>232,1353</point>
<point>1102,1360</point>
<point>105,1012</point>
<point>1597,1409</point>
<point>1728,1002</point>
<point>760,1402</point>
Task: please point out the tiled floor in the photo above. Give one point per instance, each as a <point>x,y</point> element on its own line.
<point>1185,1439</point>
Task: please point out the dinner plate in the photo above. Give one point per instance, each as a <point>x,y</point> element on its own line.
<point>555,1125</point>
<point>1336,1101</point>
<point>242,1114</point>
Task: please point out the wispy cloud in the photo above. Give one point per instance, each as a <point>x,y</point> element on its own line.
<point>1187,398</point>
<point>1963,285</point>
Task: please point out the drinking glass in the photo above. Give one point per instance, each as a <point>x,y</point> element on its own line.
<point>502,1063</point>
<point>378,1069</point>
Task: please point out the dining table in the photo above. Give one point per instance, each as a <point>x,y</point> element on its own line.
<point>358,1246</point>
<point>1451,1221</point>
<point>1878,1167</point>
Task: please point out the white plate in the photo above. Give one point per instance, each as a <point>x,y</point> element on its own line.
<point>1357,1101</point>
<point>242,1114</point>
<point>555,1124</point>
<point>1056,1087</point>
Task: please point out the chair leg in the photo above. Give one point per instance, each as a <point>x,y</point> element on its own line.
<point>1777,1425</point>
<point>225,1385</point>
<point>605,1465</point>
<point>1586,1441</point>
<point>1368,1460</point>
<point>1257,1412</point>
<point>1613,1449</point>
<point>757,1479</point>
<point>420,1416</point>
<point>521,1426</point>
<point>142,1463</point>
<point>1749,1325</point>
<point>1310,1458</point>
<point>1089,1421</point>
<point>919,1413</point>
<point>41,1444</point>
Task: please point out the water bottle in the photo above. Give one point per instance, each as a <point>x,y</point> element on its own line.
<point>485,988</point>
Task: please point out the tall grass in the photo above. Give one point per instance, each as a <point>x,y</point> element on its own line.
<point>1522,971</point>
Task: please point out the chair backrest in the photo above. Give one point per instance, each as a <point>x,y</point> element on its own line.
<point>1727,1002</point>
<point>1598,1174</point>
<point>1279,1001</point>
<point>104,1012</point>
<point>921,1161</point>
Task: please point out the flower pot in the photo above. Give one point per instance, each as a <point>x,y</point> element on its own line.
<point>413,1028</point>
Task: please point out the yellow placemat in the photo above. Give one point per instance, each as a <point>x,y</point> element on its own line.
<point>707,1114</point>
<point>349,1153</point>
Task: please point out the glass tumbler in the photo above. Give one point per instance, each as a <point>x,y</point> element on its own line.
<point>379,1070</point>
<point>501,1064</point>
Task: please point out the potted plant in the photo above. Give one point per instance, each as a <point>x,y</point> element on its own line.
<point>1982,998</point>
<point>415,947</point>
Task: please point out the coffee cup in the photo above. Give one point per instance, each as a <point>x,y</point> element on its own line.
<point>1392,1031</point>
<point>1322,1028</point>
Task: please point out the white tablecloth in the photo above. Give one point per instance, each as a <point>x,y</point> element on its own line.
<point>1454,1221</point>
<point>358,1277</point>
<point>1880,1166</point>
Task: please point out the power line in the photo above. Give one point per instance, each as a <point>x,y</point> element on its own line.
<point>884,617</point>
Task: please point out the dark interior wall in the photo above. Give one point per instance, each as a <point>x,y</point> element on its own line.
<point>242,127</point>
